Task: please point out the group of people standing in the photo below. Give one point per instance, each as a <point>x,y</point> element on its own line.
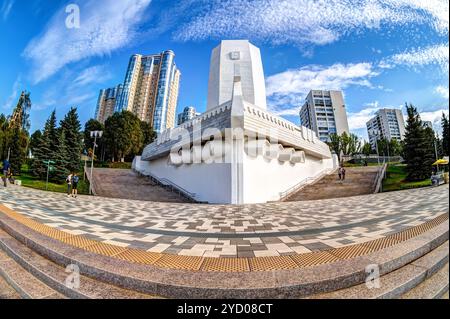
<point>341,173</point>
<point>72,184</point>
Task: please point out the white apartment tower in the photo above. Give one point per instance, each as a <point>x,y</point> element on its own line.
<point>386,124</point>
<point>324,113</point>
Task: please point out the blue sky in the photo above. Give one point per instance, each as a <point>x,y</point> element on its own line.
<point>381,53</point>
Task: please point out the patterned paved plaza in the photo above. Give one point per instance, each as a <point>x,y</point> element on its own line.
<point>258,230</point>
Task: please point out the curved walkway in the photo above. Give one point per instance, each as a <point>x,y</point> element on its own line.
<point>259,230</point>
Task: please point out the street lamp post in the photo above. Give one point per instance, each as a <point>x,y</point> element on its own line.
<point>375,132</point>
<point>94,134</point>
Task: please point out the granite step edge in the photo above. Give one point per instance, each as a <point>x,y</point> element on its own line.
<point>434,287</point>
<point>175,283</point>
<point>26,285</point>
<point>396,283</point>
<point>54,276</point>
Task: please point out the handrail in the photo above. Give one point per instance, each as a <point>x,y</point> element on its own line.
<point>303,182</point>
<point>379,178</point>
<point>90,182</point>
<point>172,185</point>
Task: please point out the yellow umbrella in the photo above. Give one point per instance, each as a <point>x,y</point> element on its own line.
<point>441,162</point>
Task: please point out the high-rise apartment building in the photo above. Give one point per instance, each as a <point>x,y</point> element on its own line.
<point>324,113</point>
<point>188,114</point>
<point>386,124</point>
<point>106,103</point>
<point>150,89</point>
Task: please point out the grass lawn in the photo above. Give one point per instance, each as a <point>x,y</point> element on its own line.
<point>395,179</point>
<point>30,181</point>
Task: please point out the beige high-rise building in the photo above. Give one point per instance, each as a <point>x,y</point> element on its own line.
<point>106,103</point>
<point>150,89</point>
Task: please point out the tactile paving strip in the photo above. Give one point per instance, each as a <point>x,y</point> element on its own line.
<point>105,249</point>
<point>272,263</point>
<point>180,262</point>
<point>139,256</point>
<point>381,243</point>
<point>351,251</point>
<point>79,241</point>
<point>314,259</point>
<point>226,264</point>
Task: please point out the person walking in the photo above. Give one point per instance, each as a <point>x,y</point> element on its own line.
<point>340,173</point>
<point>75,180</point>
<point>6,169</point>
<point>69,184</point>
<point>343,174</point>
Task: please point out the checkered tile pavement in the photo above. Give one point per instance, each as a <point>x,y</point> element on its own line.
<point>258,230</point>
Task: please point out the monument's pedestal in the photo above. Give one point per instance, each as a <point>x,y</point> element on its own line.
<point>236,153</point>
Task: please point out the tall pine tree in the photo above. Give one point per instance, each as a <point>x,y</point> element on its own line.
<point>445,133</point>
<point>73,139</point>
<point>48,146</point>
<point>417,147</point>
<point>61,159</point>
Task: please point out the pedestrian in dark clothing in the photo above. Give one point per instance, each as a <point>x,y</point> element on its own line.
<point>6,170</point>
<point>343,174</point>
<point>340,173</point>
<point>75,180</point>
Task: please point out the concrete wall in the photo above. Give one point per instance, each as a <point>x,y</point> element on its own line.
<point>264,179</point>
<point>210,182</point>
<point>260,180</point>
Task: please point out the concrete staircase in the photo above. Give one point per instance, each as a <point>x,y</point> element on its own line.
<point>424,278</point>
<point>126,184</point>
<point>33,266</point>
<point>358,181</point>
<point>24,274</point>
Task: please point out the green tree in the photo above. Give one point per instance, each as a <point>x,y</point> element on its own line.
<point>445,135</point>
<point>35,140</point>
<point>49,143</point>
<point>366,149</point>
<point>70,127</point>
<point>89,126</point>
<point>335,145</point>
<point>351,144</point>
<point>62,160</point>
<point>417,153</point>
<point>123,136</point>
<point>395,147</point>
<point>148,135</point>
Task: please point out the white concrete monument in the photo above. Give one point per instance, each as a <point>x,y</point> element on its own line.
<point>236,152</point>
<point>226,58</point>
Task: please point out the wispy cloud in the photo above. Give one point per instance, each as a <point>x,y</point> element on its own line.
<point>442,91</point>
<point>286,90</point>
<point>5,9</point>
<point>93,74</point>
<point>13,97</point>
<point>103,29</point>
<point>301,22</point>
<point>436,54</point>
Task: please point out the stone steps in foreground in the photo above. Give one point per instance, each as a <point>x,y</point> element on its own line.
<point>346,269</point>
<point>23,282</point>
<point>35,277</point>
<point>405,280</point>
<point>434,287</point>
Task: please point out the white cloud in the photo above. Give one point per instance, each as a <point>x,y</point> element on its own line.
<point>93,74</point>
<point>5,9</point>
<point>359,119</point>
<point>13,97</point>
<point>436,54</point>
<point>286,90</point>
<point>307,21</point>
<point>102,30</point>
<point>433,116</point>
<point>442,91</point>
